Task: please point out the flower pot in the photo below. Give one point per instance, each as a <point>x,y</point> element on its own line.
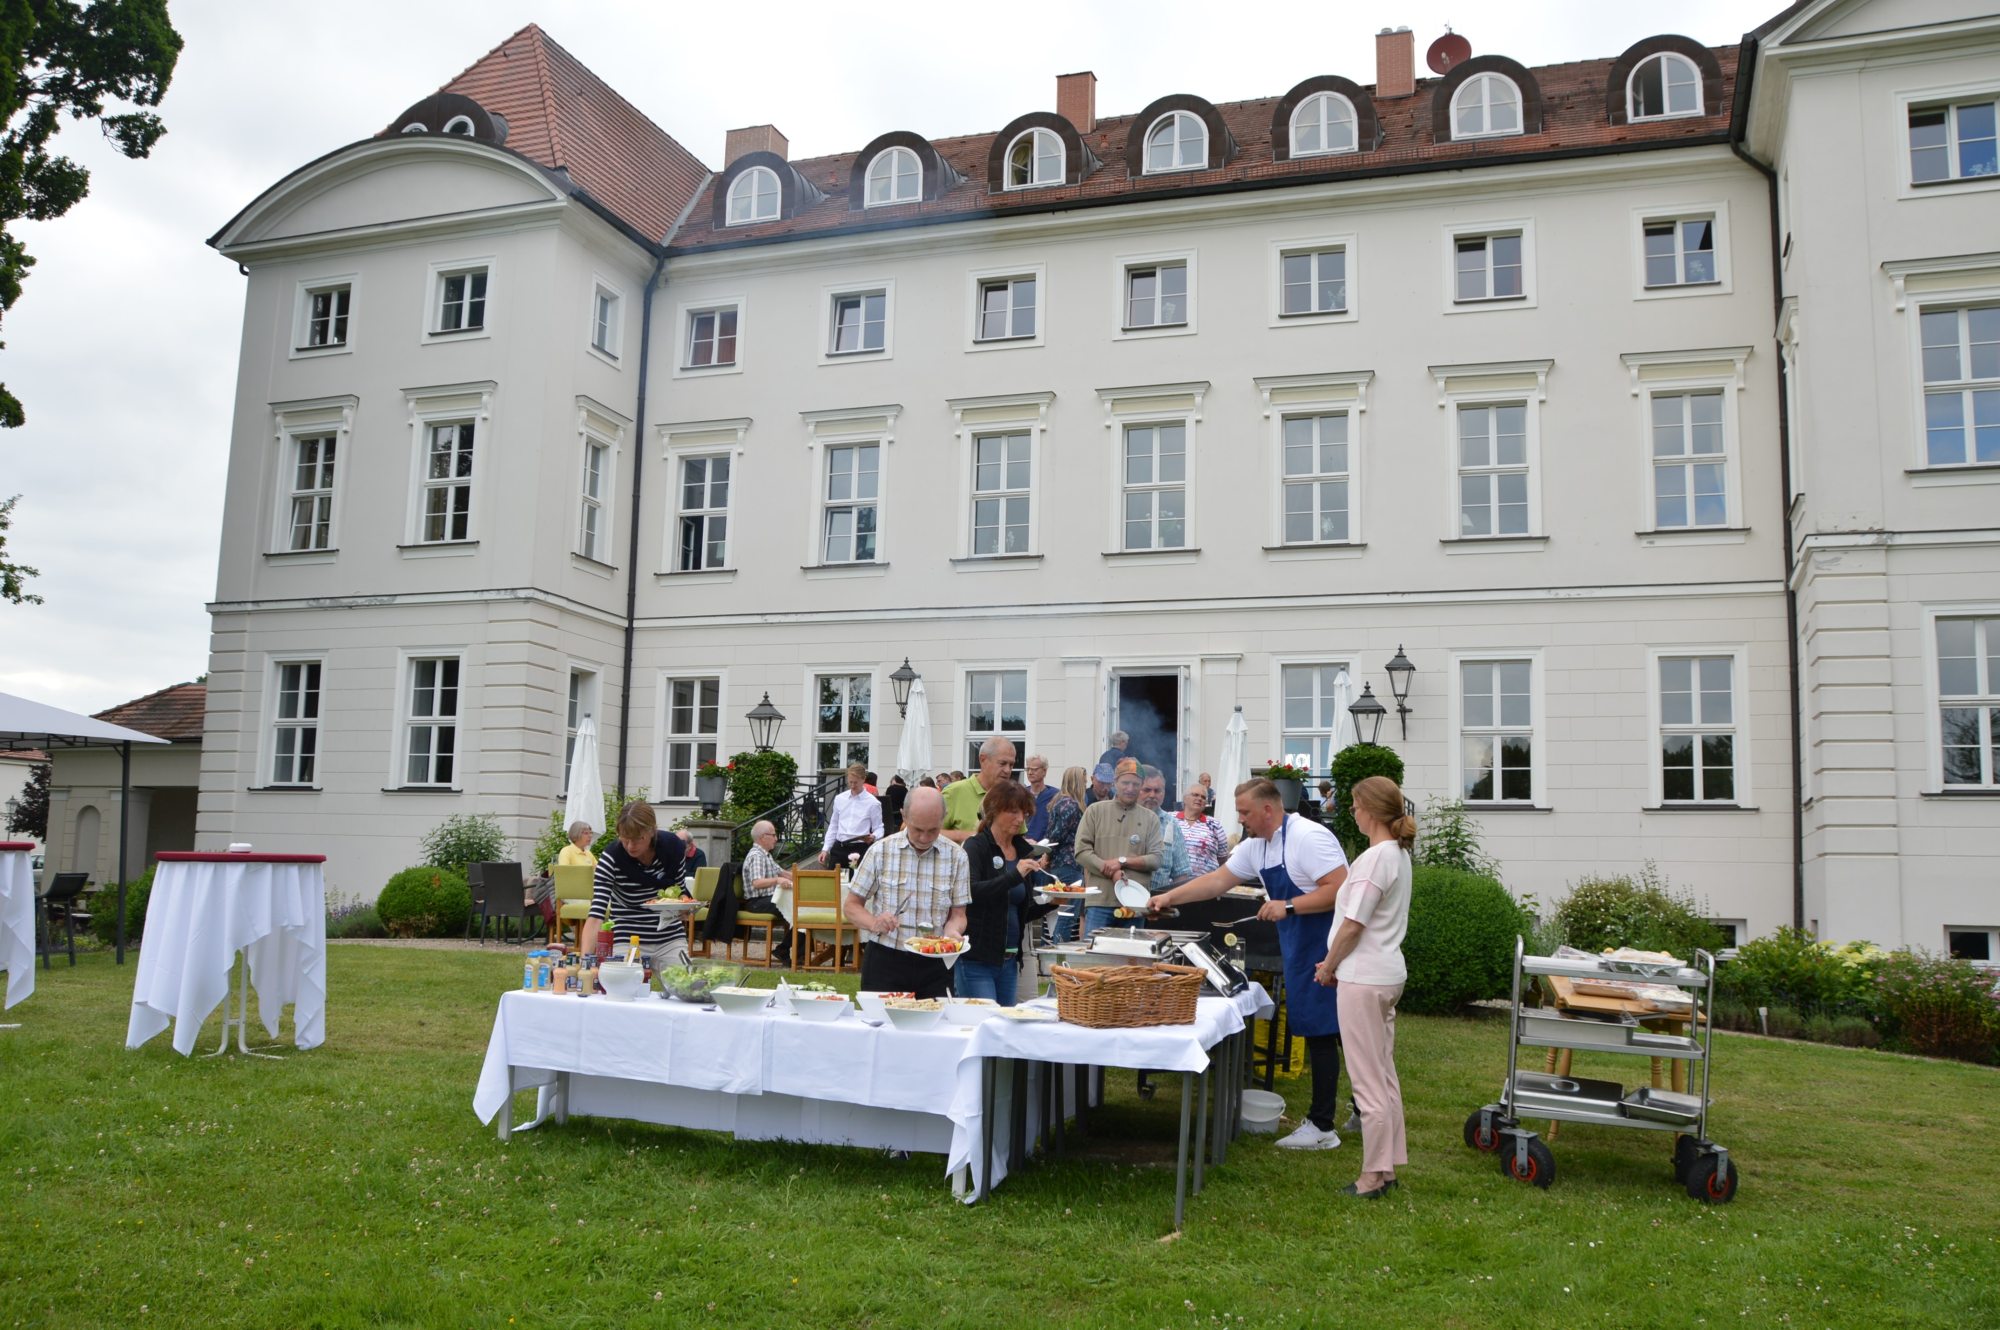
<point>710,790</point>
<point>1290,791</point>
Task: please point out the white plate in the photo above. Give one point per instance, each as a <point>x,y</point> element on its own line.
<point>1030,1015</point>
<point>949,960</point>
<point>1133,896</point>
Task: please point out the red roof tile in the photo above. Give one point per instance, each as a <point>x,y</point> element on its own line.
<point>174,713</point>
<point>564,117</point>
<point>1574,118</point>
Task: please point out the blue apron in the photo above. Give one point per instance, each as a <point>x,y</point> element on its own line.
<point>1310,1008</point>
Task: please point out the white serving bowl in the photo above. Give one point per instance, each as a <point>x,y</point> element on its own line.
<point>969,1013</point>
<point>622,980</point>
<point>869,1003</point>
<point>821,1009</point>
<point>741,1001</point>
<point>905,1018</point>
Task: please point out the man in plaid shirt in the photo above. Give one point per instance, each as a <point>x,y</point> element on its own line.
<point>910,878</point>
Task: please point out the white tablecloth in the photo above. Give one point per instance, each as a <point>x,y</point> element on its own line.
<point>17,924</point>
<point>200,915</point>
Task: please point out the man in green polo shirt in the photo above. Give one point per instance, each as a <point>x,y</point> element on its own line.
<point>962,798</point>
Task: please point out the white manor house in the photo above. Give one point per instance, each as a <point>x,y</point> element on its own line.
<point>1650,405</point>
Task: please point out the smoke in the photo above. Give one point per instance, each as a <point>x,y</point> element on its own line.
<point>1152,742</point>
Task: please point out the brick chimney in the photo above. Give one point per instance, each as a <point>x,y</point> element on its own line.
<point>756,138</point>
<point>1395,63</point>
<point>1076,100</point>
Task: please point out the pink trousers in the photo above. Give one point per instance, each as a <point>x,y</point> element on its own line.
<point>1368,1037</point>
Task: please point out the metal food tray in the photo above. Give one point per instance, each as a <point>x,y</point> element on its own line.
<point>1663,1105</point>
<point>1548,1027</point>
<point>1679,976</point>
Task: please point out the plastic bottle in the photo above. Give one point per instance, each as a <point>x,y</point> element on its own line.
<point>544,972</point>
<point>528,972</point>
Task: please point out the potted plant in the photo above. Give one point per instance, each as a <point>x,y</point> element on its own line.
<point>711,785</point>
<point>1290,780</point>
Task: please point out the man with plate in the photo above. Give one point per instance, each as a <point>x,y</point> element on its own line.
<point>910,883</point>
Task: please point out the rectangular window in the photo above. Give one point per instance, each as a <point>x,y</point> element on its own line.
<point>1697,729</point>
<point>860,323</point>
<point>1310,709</point>
<point>1680,252</point>
<point>295,724</point>
<point>704,513</point>
<point>461,300</point>
<point>591,526</point>
<point>1001,489</point>
<point>693,731</point>
<point>447,485</point>
<point>1968,652</point>
<point>1497,731</point>
<point>996,706</point>
<point>604,321</point>
<point>711,338</point>
<point>1313,282</point>
<point>432,731</point>
<point>1155,487</point>
<point>1156,296</point>
<point>1489,267</point>
<point>1981,946</point>
<point>1007,309</point>
<point>312,492</point>
<point>326,316</point>
<point>581,684</point>
<point>853,483</point>
<point>1493,470</point>
<point>1954,142</point>
<point>1961,356</point>
<point>1315,478</point>
<point>1690,479</point>
<point>842,721</point>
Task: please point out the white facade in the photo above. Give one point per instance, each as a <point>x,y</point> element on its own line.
<point>1492,487</point>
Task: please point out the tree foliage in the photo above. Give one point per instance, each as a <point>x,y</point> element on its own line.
<point>1352,765</point>
<point>13,576</point>
<point>32,817</point>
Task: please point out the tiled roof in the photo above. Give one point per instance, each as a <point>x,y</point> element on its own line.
<point>565,117</point>
<point>172,713</point>
<point>1574,118</point>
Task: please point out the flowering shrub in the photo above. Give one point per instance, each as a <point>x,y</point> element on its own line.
<point>1285,771</point>
<point>714,771</point>
<point>1793,969</point>
<point>1645,912</point>
<point>1932,1005</point>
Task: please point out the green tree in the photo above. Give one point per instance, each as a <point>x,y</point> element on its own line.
<point>32,817</point>
<point>13,576</point>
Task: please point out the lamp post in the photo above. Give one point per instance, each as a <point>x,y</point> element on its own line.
<point>765,722</point>
<point>1400,672</point>
<point>901,680</point>
<point>1368,714</point>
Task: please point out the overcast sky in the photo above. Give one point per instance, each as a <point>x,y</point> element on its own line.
<point>123,346</point>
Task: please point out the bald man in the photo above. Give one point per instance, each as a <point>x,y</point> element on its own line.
<point>913,877</point>
<point>964,798</point>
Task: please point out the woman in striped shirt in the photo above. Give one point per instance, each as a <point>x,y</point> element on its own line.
<point>643,865</point>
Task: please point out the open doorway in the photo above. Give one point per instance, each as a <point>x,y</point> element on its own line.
<point>1148,708</point>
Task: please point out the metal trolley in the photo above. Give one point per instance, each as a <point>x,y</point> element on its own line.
<point>1700,1165</point>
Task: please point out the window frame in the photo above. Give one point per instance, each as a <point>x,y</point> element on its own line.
<point>1992,961</point>
<point>1967,386</point>
<point>1950,97</point>
<point>841,428</point>
<point>578,702</point>
<point>1335,661</point>
<point>830,298</point>
<point>1314,394</point>
<point>690,439</point>
<point>1739,727</point>
<point>274,722</point>
<point>1454,232</point>
<point>685,314</point>
<point>594,542</point>
<point>665,735</point>
<point>1483,80</point>
<point>1280,250</point>
<point>329,468</point>
<point>1934,782</point>
<point>1663,59</point>
<point>1010,413</point>
<point>408,719</point>
<point>810,738</point>
<point>729,217</point>
<point>1539,800</point>
<point>1121,299</point>
<point>1716,213</point>
<point>602,289</point>
<point>1353,126</point>
<point>990,277</point>
<point>1036,157</point>
<point>1653,374</point>
<point>433,310</point>
<point>1316,478</point>
<point>678,461</point>
<point>868,199</point>
<point>969,738</point>
<point>451,404</point>
<point>1155,486</point>
<point>316,418</point>
<point>303,292</point>
<point>1144,406</point>
<point>1176,116</point>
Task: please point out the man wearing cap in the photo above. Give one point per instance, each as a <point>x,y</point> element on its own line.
<point>1118,839</point>
<point>1101,777</point>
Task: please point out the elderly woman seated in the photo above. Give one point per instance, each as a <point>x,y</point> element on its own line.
<point>542,891</point>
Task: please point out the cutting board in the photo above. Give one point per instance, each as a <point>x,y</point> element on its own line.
<point>1566,998</point>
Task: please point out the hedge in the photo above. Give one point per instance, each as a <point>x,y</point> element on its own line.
<point>424,902</point>
<point>1460,946</point>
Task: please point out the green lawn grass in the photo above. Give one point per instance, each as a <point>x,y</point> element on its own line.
<point>352,1185</point>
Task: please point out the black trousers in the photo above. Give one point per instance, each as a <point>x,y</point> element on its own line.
<point>1323,1056</point>
<point>836,853</point>
<point>781,936</point>
<point>886,970</point>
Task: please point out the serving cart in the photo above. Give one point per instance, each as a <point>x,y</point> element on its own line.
<point>1700,1165</point>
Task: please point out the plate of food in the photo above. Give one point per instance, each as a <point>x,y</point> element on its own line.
<point>946,949</point>
<point>1065,890</point>
<point>970,1011</point>
<point>672,905</point>
<point>1028,1014</point>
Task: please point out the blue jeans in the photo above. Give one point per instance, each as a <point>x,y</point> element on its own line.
<point>972,978</point>
<point>1062,924</point>
<point>1096,917</point>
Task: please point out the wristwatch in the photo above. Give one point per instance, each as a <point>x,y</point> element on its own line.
<point>1121,861</point>
<point>1291,910</point>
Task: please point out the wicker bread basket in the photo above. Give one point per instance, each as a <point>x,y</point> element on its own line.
<point>1121,996</point>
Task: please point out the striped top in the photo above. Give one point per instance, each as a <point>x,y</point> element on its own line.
<point>623,885</point>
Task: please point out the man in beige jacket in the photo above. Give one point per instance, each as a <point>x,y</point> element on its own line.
<point>1119,838</point>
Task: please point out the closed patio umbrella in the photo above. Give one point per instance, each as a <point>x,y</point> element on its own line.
<point>1232,771</point>
<point>1343,719</point>
<point>586,783</point>
<point>913,754</point>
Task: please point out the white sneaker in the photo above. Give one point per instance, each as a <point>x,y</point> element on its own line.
<point>1309,1137</point>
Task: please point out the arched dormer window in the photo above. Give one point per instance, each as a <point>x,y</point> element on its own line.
<point>416,127</point>
<point>1663,86</point>
<point>1486,105</point>
<point>1324,123</point>
<point>460,125</point>
<point>1177,141</point>
<point>895,176</point>
<point>753,197</point>
<point>1035,157</point>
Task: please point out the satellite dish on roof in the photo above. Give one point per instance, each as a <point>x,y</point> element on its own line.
<point>1447,51</point>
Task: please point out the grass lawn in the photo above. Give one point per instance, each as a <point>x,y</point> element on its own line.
<point>353,1186</point>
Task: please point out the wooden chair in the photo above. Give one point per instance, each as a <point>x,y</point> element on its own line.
<point>704,891</point>
<point>572,891</point>
<point>816,911</point>
<point>749,920</point>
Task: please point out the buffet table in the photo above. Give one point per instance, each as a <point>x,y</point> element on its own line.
<point>17,919</point>
<point>204,910</point>
<point>981,1097</point>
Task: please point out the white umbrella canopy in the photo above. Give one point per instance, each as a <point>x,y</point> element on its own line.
<point>1232,771</point>
<point>1343,719</point>
<point>586,781</point>
<point>913,754</point>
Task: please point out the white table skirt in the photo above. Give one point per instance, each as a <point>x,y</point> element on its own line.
<point>200,915</point>
<point>17,924</point>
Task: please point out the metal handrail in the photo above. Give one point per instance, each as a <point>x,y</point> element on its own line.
<point>800,820</point>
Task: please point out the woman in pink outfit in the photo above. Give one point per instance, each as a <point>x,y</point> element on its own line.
<point>1364,958</point>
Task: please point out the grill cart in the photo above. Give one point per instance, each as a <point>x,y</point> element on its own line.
<point>1700,1165</point>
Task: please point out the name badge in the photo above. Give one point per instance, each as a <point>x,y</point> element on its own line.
<point>999,861</point>
<point>1133,838</point>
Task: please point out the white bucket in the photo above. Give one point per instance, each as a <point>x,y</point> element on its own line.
<point>1261,1111</point>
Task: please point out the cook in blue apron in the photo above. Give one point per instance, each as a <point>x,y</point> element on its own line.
<point>1311,1011</point>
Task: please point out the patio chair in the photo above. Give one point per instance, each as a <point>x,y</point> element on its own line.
<point>749,920</point>
<point>816,911</point>
<point>703,890</point>
<point>62,900</point>
<point>572,888</point>
<point>497,898</point>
